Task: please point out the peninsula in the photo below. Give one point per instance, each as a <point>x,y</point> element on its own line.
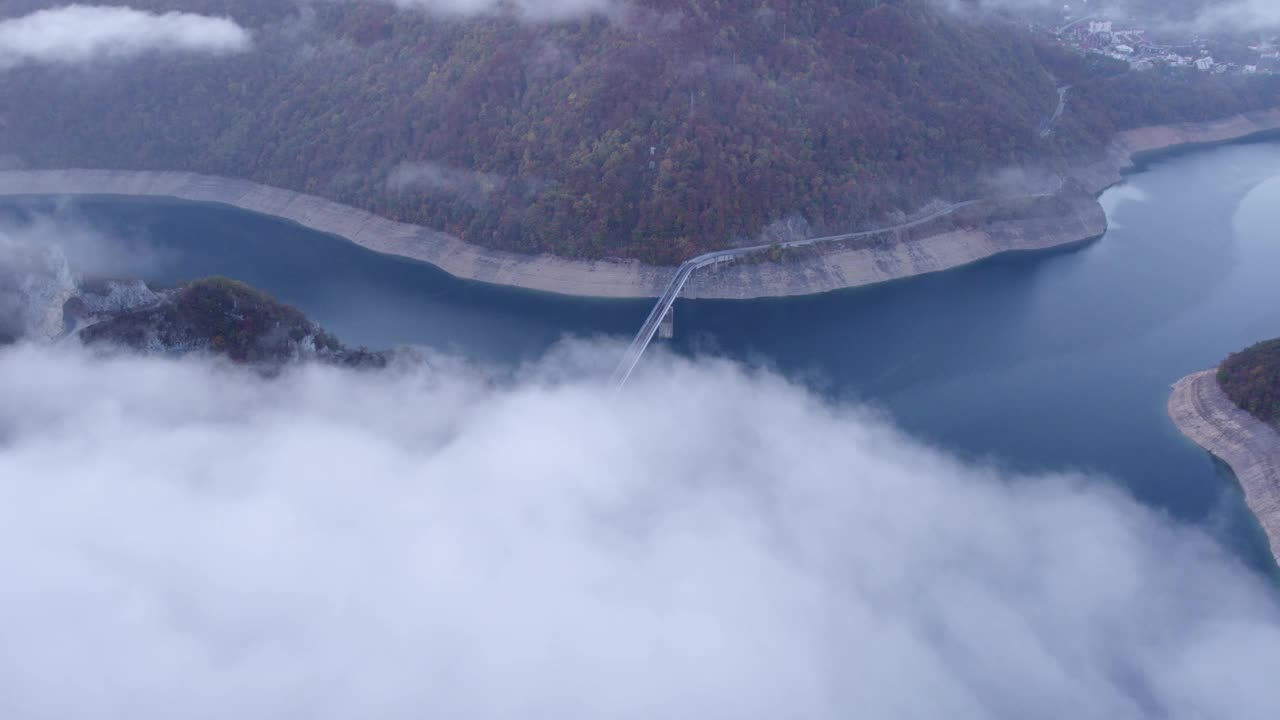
<point>1209,407</point>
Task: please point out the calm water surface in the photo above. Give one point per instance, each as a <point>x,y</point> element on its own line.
<point>1042,362</point>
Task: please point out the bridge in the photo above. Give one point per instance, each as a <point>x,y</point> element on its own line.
<point>650,328</point>
<point>632,357</point>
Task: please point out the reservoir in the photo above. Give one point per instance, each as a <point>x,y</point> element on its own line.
<point>1050,362</point>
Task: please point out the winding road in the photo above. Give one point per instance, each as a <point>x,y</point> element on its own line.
<point>1046,128</point>
<point>1074,23</point>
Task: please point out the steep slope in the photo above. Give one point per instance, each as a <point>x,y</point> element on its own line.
<point>669,128</point>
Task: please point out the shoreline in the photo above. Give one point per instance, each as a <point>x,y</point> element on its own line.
<point>1133,150</point>
<point>1205,415</point>
<point>1076,217</point>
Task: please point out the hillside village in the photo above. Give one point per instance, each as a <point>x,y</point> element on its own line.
<point>1145,49</point>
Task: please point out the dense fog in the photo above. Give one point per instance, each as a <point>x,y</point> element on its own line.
<point>183,538</point>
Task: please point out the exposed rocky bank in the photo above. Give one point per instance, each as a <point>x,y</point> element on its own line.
<point>1075,217</point>
<point>971,234</point>
<point>1204,413</point>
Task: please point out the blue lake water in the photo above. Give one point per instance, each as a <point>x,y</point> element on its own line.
<point>1040,362</point>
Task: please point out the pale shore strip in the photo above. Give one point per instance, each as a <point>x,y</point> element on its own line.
<point>1204,413</point>
<point>1131,147</point>
<point>841,265</point>
<point>535,272</point>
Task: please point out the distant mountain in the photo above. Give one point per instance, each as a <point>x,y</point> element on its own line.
<point>668,128</point>
<point>1251,378</point>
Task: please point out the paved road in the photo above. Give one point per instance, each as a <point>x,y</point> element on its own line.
<point>1047,126</point>
<point>1074,23</point>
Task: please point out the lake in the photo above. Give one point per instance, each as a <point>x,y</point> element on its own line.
<point>1055,361</point>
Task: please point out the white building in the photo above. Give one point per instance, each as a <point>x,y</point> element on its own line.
<point>1124,49</point>
<point>1204,64</point>
<point>1099,26</point>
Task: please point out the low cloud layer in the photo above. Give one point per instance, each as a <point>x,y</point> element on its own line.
<point>530,9</point>
<point>1242,15</point>
<point>474,187</point>
<point>78,34</point>
<point>60,227</point>
<point>1188,15</point>
<point>39,264</point>
<point>185,540</point>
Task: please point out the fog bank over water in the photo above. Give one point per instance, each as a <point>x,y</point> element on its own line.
<point>184,539</point>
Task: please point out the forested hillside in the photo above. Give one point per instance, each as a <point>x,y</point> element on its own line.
<point>1251,378</point>
<point>666,129</point>
<point>218,316</point>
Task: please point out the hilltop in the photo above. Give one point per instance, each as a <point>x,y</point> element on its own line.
<point>663,130</point>
<point>1251,378</point>
<point>223,317</point>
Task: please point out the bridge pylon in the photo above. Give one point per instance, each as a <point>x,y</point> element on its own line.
<point>667,328</point>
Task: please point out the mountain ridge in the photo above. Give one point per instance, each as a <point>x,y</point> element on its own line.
<point>682,127</point>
